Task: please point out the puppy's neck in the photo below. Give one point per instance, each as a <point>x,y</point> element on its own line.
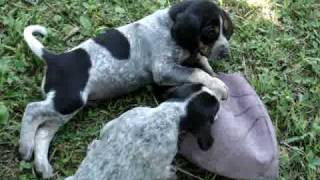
<point>174,108</point>
<point>160,19</point>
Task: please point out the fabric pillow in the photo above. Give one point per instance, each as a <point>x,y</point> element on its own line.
<point>245,145</point>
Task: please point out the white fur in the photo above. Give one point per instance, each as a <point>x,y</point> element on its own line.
<point>221,41</point>
<point>34,44</point>
<point>138,145</point>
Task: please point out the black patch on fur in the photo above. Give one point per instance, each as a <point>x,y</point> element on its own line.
<point>201,109</point>
<point>67,75</point>
<point>115,42</point>
<point>201,112</point>
<point>194,21</point>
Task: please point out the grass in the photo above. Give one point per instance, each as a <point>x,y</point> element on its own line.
<point>276,45</point>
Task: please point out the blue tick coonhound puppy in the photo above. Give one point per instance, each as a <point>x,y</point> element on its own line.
<point>121,60</point>
<point>142,143</point>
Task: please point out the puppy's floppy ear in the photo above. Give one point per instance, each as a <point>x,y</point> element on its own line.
<point>204,105</point>
<point>227,24</point>
<point>201,111</point>
<point>186,28</point>
<point>186,31</point>
<point>179,8</point>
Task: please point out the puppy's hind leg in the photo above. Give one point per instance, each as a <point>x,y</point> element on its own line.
<point>44,135</point>
<point>48,129</point>
<point>35,114</point>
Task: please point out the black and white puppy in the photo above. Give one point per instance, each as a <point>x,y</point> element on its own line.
<point>142,143</point>
<point>119,61</point>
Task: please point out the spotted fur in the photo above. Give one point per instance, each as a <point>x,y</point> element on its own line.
<point>142,142</point>
<point>114,63</point>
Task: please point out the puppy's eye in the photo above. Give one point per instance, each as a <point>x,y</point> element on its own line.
<point>209,34</point>
<point>212,31</point>
<point>215,29</point>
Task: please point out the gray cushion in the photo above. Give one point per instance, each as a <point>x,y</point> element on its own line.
<point>245,144</point>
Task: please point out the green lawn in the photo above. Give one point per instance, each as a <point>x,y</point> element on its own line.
<point>276,45</point>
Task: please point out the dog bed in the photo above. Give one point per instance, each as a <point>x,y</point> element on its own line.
<point>245,145</point>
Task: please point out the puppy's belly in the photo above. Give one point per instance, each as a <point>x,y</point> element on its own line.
<point>111,86</point>
<point>110,90</point>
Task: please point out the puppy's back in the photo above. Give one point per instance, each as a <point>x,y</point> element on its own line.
<point>140,144</point>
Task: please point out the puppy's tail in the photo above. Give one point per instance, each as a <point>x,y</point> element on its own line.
<point>34,44</point>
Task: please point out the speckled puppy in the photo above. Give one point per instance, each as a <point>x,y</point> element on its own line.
<point>142,142</point>
<point>119,61</point>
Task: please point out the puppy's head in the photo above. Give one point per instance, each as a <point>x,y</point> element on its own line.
<point>201,26</point>
<point>201,110</point>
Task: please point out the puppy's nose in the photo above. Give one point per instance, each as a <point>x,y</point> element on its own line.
<point>224,52</point>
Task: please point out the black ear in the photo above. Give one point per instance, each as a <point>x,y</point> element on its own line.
<point>187,25</point>
<point>201,111</point>
<point>186,31</point>
<point>204,105</point>
<point>179,8</point>
<point>227,24</point>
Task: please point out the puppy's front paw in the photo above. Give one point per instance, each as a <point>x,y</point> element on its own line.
<point>225,92</point>
<point>219,89</point>
<point>213,74</point>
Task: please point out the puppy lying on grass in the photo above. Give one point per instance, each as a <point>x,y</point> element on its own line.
<point>119,61</point>
<point>142,142</point>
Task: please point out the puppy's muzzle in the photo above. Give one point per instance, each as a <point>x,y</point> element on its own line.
<point>223,52</point>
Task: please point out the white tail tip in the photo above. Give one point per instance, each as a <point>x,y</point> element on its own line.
<point>34,44</point>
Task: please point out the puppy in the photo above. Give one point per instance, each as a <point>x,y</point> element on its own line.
<point>119,61</point>
<point>142,142</point>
